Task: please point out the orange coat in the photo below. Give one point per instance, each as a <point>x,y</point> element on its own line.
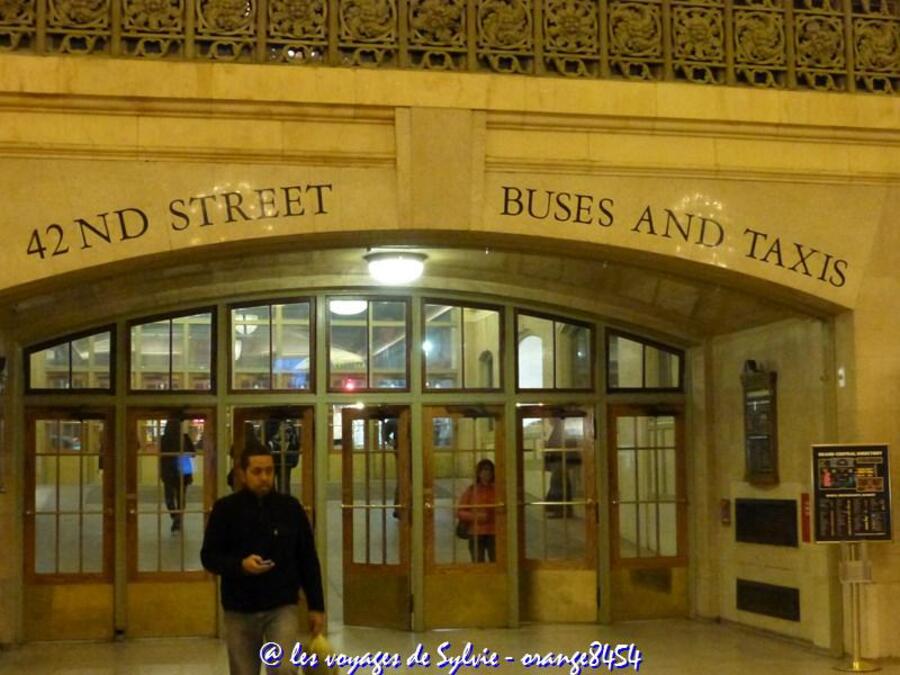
<point>480,521</point>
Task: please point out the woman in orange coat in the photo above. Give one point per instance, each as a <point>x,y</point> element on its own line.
<point>478,518</point>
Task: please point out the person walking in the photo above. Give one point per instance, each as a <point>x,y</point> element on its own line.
<point>176,452</point>
<point>260,543</point>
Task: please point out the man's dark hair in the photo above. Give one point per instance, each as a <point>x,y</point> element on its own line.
<point>252,447</point>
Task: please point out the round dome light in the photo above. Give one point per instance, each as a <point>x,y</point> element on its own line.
<point>395,268</point>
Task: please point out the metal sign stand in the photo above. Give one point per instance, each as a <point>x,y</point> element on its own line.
<point>856,570</point>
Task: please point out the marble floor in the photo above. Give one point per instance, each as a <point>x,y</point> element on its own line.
<point>676,647</point>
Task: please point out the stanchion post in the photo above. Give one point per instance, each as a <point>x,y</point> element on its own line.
<point>855,571</point>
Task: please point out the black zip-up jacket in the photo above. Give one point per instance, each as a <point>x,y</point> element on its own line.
<point>275,527</point>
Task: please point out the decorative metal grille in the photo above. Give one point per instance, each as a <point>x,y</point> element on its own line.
<point>829,45</point>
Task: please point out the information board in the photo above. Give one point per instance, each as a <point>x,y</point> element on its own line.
<point>852,493</point>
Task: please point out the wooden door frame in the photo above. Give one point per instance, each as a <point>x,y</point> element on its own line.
<point>614,411</point>
<point>132,448</point>
<point>404,497</point>
<point>73,414</point>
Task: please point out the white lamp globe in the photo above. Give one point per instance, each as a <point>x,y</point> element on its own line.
<point>394,268</point>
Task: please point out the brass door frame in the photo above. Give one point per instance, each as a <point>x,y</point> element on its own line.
<point>306,413</point>
<point>452,590</point>
<point>560,590</point>
<point>67,591</point>
<point>168,604</point>
<point>633,579</point>
<point>367,574</point>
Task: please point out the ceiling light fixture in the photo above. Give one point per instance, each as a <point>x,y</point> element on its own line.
<point>348,307</point>
<point>395,268</point>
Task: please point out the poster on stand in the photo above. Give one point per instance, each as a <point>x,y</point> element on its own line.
<point>852,493</point>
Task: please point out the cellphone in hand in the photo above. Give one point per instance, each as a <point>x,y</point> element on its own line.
<point>267,562</point>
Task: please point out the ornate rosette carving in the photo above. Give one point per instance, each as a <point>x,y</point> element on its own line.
<point>698,34</point>
<point>759,38</point>
<point>78,13</point>
<point>297,18</point>
<point>157,16</point>
<point>876,44</point>
<point>368,20</point>
<point>227,17</point>
<point>16,12</point>
<point>505,24</point>
<point>570,26</point>
<point>820,41</point>
<point>440,23</point>
<point>635,29</point>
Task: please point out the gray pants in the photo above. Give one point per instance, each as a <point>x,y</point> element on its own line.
<point>245,634</point>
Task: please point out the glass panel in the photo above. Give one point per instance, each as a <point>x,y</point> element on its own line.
<point>45,484</point>
<point>388,345</point>
<point>283,436</point>
<point>92,544</point>
<point>628,530</point>
<point>647,530</point>
<point>90,362</point>
<point>360,536</point>
<point>49,368</point>
<point>534,338</point>
<point>69,483</point>
<point>627,476</point>
<point>465,480</point>
<point>646,428</point>
<point>625,432</point>
<point>192,535</point>
<point>646,475</point>
<point>660,368</point>
<point>250,348</point>
<point>553,473</point>
<point>442,348</point>
<point>149,528</point>
<point>667,477</point>
<point>69,544</point>
<point>92,486</point>
<point>291,364</point>
<point>625,363</point>
<point>573,356</point>
<point>150,355</point>
<point>668,530</point>
<point>45,544</point>
<point>349,344</point>
<point>482,348</point>
<point>192,352</point>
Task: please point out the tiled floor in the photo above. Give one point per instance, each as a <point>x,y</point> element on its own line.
<point>668,648</point>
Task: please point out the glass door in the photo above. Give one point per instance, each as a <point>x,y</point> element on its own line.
<point>465,518</point>
<point>375,497</point>
<point>557,514</point>
<point>170,491</point>
<point>69,525</point>
<point>648,510</point>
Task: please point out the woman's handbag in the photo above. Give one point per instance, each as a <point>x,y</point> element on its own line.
<point>462,530</point>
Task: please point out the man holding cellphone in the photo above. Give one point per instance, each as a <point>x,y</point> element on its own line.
<point>260,543</point>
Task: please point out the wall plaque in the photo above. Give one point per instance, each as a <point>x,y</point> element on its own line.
<point>760,426</point>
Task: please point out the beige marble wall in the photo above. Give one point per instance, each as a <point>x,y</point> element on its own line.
<point>9,541</point>
<point>798,350</point>
<point>868,349</point>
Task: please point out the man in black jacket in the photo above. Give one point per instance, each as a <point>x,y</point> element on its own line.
<point>261,544</point>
